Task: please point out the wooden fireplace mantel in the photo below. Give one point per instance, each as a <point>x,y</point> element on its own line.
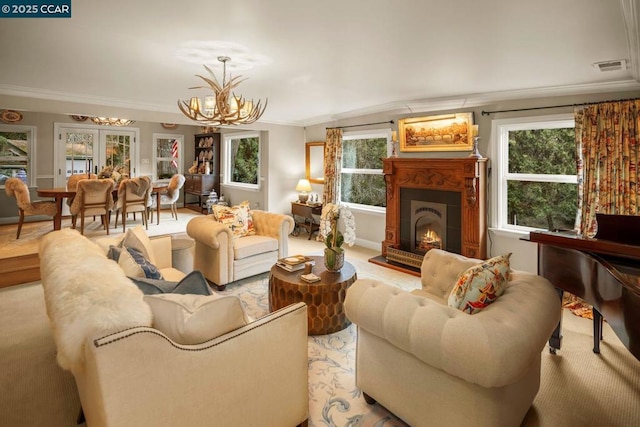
<point>465,175</point>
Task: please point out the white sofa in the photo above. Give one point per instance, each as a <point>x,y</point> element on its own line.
<point>434,365</point>
<point>223,258</point>
<point>131,367</point>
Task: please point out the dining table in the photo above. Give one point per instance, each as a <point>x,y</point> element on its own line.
<point>60,193</point>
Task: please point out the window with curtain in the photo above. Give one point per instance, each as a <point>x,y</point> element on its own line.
<point>535,163</point>
<point>242,160</point>
<point>17,153</point>
<point>361,180</point>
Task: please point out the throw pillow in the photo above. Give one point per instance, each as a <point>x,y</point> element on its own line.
<point>237,218</point>
<point>480,285</point>
<point>134,264</point>
<point>193,319</point>
<point>192,283</point>
<point>114,253</point>
<point>137,238</point>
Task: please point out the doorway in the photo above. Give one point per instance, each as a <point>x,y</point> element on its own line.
<point>87,149</point>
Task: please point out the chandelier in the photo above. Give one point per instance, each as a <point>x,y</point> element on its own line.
<point>111,121</point>
<point>224,107</point>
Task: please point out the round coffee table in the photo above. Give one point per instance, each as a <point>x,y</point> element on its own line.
<point>324,298</point>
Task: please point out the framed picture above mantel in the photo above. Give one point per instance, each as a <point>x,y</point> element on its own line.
<point>447,132</point>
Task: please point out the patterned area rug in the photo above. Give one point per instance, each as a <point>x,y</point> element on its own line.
<point>334,399</point>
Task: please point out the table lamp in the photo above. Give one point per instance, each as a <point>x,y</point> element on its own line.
<point>304,186</point>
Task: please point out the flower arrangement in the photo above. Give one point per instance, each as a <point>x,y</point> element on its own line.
<point>334,238</point>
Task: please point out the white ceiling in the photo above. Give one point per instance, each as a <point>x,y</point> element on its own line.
<point>329,59</point>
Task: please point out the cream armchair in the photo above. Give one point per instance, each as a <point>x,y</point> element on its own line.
<point>434,365</point>
<point>224,259</point>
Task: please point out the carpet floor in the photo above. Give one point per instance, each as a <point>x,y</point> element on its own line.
<point>578,387</point>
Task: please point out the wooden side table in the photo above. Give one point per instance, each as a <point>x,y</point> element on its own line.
<point>303,216</point>
<point>324,299</point>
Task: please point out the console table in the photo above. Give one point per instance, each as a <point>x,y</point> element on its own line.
<point>198,185</point>
<point>303,216</point>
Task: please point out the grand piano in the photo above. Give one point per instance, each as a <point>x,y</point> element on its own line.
<point>603,270</point>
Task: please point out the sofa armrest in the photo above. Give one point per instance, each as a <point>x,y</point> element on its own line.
<point>275,225</point>
<point>492,348</point>
<point>161,246</point>
<point>140,377</point>
<point>207,231</point>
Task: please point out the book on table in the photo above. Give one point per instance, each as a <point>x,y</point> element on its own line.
<point>295,262</point>
<point>310,278</point>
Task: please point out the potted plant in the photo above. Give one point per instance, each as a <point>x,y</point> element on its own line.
<point>334,238</point>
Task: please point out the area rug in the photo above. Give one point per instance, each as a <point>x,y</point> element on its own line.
<point>334,399</point>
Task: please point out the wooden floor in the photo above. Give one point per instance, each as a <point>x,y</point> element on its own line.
<point>19,261</point>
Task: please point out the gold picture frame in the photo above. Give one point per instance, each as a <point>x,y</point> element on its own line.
<point>447,132</point>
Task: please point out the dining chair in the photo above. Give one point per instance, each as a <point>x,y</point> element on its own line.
<point>170,195</point>
<point>134,195</point>
<point>15,187</point>
<point>93,197</point>
<point>72,184</point>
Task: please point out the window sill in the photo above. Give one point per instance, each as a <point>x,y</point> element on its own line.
<point>513,234</point>
<point>367,209</point>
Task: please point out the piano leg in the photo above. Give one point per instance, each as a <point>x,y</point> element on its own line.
<point>555,341</point>
<point>597,330</point>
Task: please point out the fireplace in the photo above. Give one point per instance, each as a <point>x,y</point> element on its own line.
<point>434,203</point>
<point>428,226</point>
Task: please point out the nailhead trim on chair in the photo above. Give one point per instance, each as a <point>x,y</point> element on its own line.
<point>181,347</point>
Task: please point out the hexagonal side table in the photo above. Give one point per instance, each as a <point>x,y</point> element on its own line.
<point>324,299</point>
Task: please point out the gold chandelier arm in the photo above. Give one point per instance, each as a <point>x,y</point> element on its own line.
<point>223,112</point>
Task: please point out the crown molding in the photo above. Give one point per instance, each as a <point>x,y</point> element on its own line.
<point>29,92</point>
<point>631,16</point>
<point>480,99</point>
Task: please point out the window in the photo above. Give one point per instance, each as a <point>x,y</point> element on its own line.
<point>242,160</point>
<point>17,154</point>
<point>167,151</point>
<point>537,175</point>
<point>362,181</point>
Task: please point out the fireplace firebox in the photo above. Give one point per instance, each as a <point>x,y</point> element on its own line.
<point>428,226</point>
<point>434,203</point>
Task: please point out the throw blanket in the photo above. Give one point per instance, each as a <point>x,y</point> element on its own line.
<point>137,186</point>
<point>86,294</point>
<point>92,186</point>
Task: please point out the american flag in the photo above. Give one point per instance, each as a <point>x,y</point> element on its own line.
<point>174,153</point>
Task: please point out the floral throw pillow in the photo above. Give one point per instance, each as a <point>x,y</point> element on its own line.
<point>237,218</point>
<point>480,285</point>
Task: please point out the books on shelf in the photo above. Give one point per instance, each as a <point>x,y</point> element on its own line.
<point>295,262</point>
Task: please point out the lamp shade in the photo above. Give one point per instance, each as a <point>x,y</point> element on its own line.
<point>303,185</point>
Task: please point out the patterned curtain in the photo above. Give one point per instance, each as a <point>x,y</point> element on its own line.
<point>607,137</point>
<point>332,167</point>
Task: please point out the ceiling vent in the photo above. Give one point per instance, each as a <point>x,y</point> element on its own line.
<point>615,65</point>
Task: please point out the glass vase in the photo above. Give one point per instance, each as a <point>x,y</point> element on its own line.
<point>333,259</point>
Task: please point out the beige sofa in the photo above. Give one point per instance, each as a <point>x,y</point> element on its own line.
<point>434,365</point>
<point>158,247</point>
<point>224,259</point>
<point>142,360</point>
